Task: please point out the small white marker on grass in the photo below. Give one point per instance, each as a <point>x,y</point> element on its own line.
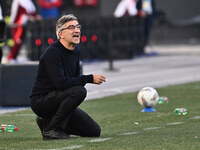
<point>136,123</point>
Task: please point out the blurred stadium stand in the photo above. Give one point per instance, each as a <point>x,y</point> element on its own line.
<point>171,26</point>
<point>121,36</point>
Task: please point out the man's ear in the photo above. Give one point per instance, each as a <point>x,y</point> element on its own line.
<point>60,33</point>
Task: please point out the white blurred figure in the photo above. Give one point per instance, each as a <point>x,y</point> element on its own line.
<point>126,6</point>
<point>1,16</point>
<point>147,7</point>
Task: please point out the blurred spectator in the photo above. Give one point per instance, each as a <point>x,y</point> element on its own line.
<point>2,33</point>
<point>21,12</point>
<point>146,9</point>
<point>85,3</point>
<point>49,8</point>
<point>126,7</point>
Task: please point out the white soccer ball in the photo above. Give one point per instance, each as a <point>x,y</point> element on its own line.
<point>148,97</point>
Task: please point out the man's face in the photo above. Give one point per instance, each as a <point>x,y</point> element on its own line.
<point>71,32</point>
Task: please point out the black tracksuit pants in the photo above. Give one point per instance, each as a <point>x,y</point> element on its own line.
<point>60,110</point>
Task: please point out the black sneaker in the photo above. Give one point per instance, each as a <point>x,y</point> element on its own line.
<point>54,135</point>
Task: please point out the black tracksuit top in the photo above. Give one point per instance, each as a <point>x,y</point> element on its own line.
<point>59,69</point>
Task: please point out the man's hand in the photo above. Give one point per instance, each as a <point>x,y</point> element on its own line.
<point>98,79</point>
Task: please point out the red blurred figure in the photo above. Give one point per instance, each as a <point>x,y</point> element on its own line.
<point>85,3</point>
<point>21,12</point>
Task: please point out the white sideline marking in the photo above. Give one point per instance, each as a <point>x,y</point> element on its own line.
<point>17,115</point>
<point>128,133</point>
<point>62,148</point>
<point>162,115</point>
<point>152,128</point>
<point>175,123</point>
<point>196,117</point>
<point>100,140</point>
<point>72,147</point>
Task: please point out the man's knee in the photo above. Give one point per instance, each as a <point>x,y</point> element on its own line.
<point>80,91</point>
<point>76,91</point>
<point>96,133</point>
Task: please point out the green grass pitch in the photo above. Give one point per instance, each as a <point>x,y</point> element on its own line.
<point>124,126</point>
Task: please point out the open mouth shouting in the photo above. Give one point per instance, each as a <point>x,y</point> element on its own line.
<point>76,38</point>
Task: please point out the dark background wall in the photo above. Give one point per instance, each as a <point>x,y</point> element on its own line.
<point>181,24</point>
<point>174,9</point>
<point>178,21</point>
<point>179,9</point>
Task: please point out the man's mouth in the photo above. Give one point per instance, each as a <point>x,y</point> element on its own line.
<point>76,36</point>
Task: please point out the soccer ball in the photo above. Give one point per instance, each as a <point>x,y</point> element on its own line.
<point>148,97</point>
